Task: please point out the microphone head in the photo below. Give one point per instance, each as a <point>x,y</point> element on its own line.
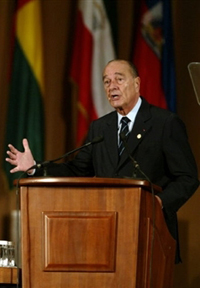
<point>97,139</point>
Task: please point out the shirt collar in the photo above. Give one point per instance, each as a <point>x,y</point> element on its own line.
<point>132,114</point>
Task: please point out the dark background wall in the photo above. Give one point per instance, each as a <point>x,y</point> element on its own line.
<point>58,17</point>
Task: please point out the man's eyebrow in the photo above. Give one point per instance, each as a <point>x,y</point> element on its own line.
<point>116,73</point>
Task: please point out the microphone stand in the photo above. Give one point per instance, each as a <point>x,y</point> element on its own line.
<point>45,164</point>
<point>136,166</point>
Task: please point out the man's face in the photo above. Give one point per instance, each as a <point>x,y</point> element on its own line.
<point>121,86</point>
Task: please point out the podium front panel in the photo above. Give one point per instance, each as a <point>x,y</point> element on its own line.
<point>79,241</point>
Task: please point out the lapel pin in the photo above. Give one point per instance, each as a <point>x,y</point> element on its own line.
<point>139,136</point>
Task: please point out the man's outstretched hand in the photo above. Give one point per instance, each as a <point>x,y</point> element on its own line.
<point>21,160</point>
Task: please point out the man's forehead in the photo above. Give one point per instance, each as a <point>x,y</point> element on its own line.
<point>117,65</point>
<point>116,68</point>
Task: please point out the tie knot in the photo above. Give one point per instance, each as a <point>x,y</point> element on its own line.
<point>125,120</point>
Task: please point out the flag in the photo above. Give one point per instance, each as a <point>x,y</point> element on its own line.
<point>94,40</point>
<point>25,107</point>
<point>153,53</point>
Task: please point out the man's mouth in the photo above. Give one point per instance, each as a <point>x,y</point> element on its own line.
<point>115,96</point>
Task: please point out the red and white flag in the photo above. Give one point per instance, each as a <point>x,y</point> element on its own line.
<point>93,48</point>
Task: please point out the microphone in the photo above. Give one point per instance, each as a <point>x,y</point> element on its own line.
<point>46,163</point>
<point>135,163</point>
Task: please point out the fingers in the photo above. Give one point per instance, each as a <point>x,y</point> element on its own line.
<point>12,154</point>
<point>12,149</point>
<point>25,144</point>
<point>14,170</point>
<point>12,161</point>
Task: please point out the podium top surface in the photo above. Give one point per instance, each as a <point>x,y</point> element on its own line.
<point>86,181</point>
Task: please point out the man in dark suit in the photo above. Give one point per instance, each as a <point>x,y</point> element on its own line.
<point>156,145</point>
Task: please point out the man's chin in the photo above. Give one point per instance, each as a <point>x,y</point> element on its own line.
<point>115,105</point>
<point>118,108</point>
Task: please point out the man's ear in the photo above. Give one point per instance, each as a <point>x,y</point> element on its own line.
<point>137,84</point>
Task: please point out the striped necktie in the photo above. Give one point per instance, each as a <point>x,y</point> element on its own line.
<point>125,131</point>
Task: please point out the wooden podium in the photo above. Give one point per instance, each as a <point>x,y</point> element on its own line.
<point>93,233</point>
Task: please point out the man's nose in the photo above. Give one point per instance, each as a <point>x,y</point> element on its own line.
<point>113,84</point>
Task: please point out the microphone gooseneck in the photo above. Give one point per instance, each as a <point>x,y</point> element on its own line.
<point>46,163</point>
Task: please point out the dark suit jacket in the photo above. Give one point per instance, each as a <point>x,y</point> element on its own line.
<point>158,142</point>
